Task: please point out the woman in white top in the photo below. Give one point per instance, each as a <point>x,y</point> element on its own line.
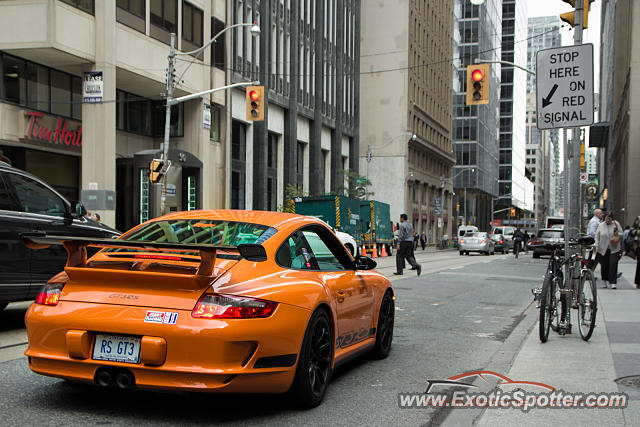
<point>609,251</point>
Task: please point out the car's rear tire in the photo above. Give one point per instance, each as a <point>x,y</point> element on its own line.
<point>535,254</point>
<point>313,372</point>
<point>384,331</point>
<point>461,252</point>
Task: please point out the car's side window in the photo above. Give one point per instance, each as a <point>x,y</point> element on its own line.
<point>295,253</point>
<point>35,197</point>
<point>7,199</point>
<point>326,260</point>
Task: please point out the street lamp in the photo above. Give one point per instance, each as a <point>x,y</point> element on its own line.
<point>443,179</point>
<point>255,31</point>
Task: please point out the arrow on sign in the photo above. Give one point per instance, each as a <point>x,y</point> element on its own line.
<point>546,101</point>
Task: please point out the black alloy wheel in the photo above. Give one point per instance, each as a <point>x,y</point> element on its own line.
<point>314,365</point>
<point>384,333</point>
<point>547,308</point>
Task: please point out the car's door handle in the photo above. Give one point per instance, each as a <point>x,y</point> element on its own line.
<point>340,295</point>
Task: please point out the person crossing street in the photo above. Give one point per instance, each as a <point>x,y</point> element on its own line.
<point>405,247</point>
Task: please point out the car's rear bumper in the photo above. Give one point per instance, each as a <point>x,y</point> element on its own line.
<point>199,354</point>
<point>483,247</point>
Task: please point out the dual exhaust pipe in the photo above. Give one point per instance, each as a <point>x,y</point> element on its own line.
<point>121,378</point>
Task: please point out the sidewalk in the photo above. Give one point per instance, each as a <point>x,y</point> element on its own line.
<point>570,364</point>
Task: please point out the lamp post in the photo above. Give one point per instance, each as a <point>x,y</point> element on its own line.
<point>255,31</point>
<point>442,181</point>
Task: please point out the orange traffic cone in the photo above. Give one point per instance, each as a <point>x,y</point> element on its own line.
<point>364,250</point>
<point>375,251</point>
<point>384,252</point>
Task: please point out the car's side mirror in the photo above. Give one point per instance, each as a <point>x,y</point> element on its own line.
<point>365,263</point>
<point>77,210</point>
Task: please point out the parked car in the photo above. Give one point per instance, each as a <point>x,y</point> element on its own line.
<point>500,244</point>
<point>507,234</point>
<point>477,242</point>
<point>27,204</point>
<point>545,236</point>
<point>224,301</point>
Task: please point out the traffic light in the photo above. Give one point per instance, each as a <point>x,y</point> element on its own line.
<point>155,171</point>
<point>513,212</point>
<point>478,84</point>
<point>255,103</point>
<point>569,17</point>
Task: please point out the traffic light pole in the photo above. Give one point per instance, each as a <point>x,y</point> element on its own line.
<point>167,124</point>
<point>573,223</point>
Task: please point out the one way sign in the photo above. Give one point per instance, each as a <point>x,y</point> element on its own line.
<point>564,87</point>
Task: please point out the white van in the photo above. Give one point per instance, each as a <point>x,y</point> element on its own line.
<point>462,230</point>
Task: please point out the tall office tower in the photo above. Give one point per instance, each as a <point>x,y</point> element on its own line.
<point>478,31</point>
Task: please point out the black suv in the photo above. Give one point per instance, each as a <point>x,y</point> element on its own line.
<point>26,205</point>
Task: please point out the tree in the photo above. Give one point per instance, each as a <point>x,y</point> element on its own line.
<point>291,192</point>
<point>354,185</point>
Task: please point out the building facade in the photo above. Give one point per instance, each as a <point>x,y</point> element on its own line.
<point>543,33</point>
<point>515,188</point>
<point>475,128</point>
<point>624,154</point>
<point>405,116</point>
<point>304,57</point>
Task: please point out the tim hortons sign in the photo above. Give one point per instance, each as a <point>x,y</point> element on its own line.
<point>52,129</point>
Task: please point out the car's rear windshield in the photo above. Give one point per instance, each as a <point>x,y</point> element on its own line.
<point>551,234</point>
<point>483,234</point>
<point>200,232</point>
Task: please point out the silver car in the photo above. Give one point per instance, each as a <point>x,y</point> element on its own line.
<point>477,242</point>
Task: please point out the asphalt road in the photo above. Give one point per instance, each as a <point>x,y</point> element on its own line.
<point>452,319</point>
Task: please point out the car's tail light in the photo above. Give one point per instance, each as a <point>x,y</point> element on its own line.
<point>461,240</point>
<point>49,294</point>
<point>218,306</point>
<point>484,240</point>
<point>501,242</point>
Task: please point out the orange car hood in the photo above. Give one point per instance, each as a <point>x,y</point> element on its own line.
<point>165,289</point>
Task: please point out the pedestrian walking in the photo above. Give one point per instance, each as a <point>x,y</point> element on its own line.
<point>608,246</point>
<point>423,240</point>
<point>405,247</point>
<point>592,227</point>
<point>634,250</point>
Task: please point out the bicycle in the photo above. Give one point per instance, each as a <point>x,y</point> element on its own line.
<point>578,291</point>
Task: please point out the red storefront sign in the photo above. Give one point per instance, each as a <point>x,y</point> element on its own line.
<point>43,127</point>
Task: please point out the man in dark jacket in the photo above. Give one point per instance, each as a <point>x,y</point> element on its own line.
<point>405,246</point>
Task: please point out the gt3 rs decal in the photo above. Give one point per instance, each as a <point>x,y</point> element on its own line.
<point>349,338</point>
<point>166,317</point>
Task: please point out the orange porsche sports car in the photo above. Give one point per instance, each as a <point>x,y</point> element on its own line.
<point>221,300</point>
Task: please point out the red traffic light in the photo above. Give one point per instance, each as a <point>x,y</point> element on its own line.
<point>477,75</point>
<point>254,95</point>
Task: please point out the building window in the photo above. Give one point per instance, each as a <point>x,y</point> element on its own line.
<point>192,24</point>
<point>13,76</point>
<point>37,87</point>
<point>135,7</point>
<point>218,46</point>
<point>60,93</point>
<point>132,14</point>
<point>215,123</point>
<point>85,5</point>
<point>300,164</point>
<point>145,117</point>
<point>164,14</point>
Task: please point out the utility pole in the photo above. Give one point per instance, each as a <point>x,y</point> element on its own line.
<point>167,124</point>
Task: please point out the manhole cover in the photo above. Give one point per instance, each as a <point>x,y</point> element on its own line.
<point>630,381</point>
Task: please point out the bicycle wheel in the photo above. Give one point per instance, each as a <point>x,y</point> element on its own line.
<point>547,307</point>
<point>587,304</point>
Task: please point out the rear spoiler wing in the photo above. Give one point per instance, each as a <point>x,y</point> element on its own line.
<point>76,248</point>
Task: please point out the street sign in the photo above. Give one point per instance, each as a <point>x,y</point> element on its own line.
<point>584,177</point>
<point>564,87</point>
